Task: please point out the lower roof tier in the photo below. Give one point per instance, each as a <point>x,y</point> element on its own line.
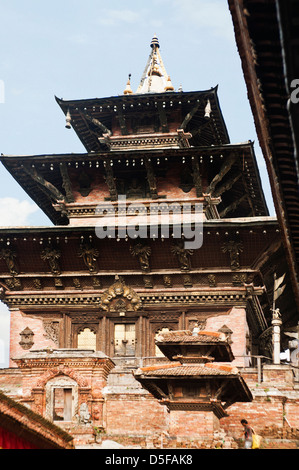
<point>69,187</point>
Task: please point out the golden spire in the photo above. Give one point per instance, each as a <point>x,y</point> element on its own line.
<point>155,78</point>
<point>128,89</point>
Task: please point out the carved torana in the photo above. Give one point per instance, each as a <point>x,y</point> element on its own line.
<point>119,290</point>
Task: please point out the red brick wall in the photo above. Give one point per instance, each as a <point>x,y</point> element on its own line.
<point>192,424</point>
<point>135,416</point>
<point>18,322</point>
<point>236,321</point>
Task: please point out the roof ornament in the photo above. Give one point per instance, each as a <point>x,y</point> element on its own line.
<point>68,120</point>
<point>169,86</point>
<point>155,78</point>
<point>208,110</point>
<point>128,89</point>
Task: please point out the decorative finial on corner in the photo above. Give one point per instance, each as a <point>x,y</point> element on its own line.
<point>128,89</point>
<point>68,120</point>
<point>169,86</point>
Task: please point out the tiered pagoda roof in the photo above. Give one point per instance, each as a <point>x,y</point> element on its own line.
<point>195,381</point>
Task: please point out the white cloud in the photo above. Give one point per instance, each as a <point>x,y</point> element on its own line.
<point>14,212</point>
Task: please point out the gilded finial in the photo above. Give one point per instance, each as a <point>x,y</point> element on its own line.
<point>128,89</point>
<point>169,86</point>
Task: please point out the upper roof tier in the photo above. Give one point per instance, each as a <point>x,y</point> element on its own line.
<point>176,118</point>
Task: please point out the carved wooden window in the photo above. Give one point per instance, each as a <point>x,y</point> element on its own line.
<point>124,339</point>
<point>158,351</point>
<point>87,339</point>
<point>62,404</point>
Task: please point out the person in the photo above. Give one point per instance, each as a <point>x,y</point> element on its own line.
<point>247,434</point>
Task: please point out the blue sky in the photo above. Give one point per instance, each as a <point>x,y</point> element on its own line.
<point>77,49</point>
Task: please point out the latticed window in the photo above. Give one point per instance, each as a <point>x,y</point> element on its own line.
<point>87,339</point>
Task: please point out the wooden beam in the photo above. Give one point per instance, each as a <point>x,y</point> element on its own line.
<point>159,390</point>
<point>110,181</point>
<point>122,122</point>
<point>232,207</point>
<point>196,176</point>
<point>46,186</point>
<point>66,182</point>
<point>151,178</point>
<point>226,166</point>
<point>189,116</point>
<point>226,186</point>
<point>163,117</point>
<point>98,124</point>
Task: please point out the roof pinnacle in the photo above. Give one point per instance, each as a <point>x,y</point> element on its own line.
<point>155,43</point>
<point>128,89</point>
<point>155,78</point>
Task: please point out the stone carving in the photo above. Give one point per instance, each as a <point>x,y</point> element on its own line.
<point>26,338</point>
<point>183,255</point>
<point>234,249</point>
<point>9,257</point>
<point>51,255</point>
<point>143,253</point>
<point>52,330</point>
<point>119,290</point>
<point>89,254</point>
<point>84,415</point>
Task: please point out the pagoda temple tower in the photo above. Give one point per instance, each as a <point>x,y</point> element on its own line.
<point>159,226</point>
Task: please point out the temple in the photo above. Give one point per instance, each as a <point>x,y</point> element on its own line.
<point>160,229</point>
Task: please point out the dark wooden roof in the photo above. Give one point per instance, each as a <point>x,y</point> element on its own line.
<point>267,36</point>
<point>106,110</point>
<point>155,379</point>
<point>248,186</point>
